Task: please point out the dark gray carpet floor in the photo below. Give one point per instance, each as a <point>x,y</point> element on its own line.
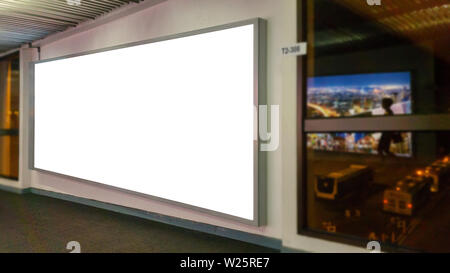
<point>33,223</point>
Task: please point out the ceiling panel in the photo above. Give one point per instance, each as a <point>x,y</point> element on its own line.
<point>349,25</point>
<point>24,21</point>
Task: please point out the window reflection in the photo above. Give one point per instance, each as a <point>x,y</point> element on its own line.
<point>359,95</point>
<point>360,54</point>
<point>9,116</point>
<point>359,142</point>
<point>365,61</point>
<point>388,199</point>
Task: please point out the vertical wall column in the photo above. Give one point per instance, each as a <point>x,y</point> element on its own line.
<point>27,55</point>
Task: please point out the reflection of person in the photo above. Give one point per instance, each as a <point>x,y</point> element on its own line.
<point>357,107</point>
<point>386,137</point>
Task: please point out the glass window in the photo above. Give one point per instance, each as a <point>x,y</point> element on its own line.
<point>9,116</point>
<point>397,198</point>
<point>375,123</point>
<point>361,54</point>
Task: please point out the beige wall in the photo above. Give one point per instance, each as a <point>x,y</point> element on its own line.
<point>171,17</point>
<point>176,16</point>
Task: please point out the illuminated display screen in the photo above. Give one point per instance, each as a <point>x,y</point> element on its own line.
<point>359,94</point>
<point>361,143</point>
<point>172,119</point>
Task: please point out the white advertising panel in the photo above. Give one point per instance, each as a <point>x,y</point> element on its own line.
<point>173,119</point>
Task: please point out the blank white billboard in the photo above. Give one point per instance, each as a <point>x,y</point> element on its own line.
<point>172,119</point>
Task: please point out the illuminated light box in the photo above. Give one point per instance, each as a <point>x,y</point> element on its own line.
<point>358,94</point>
<point>171,118</point>
<point>358,142</point>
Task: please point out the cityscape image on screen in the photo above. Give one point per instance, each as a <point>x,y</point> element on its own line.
<point>358,94</point>
<point>362,143</point>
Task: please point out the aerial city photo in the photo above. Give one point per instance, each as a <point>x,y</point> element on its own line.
<point>358,94</point>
